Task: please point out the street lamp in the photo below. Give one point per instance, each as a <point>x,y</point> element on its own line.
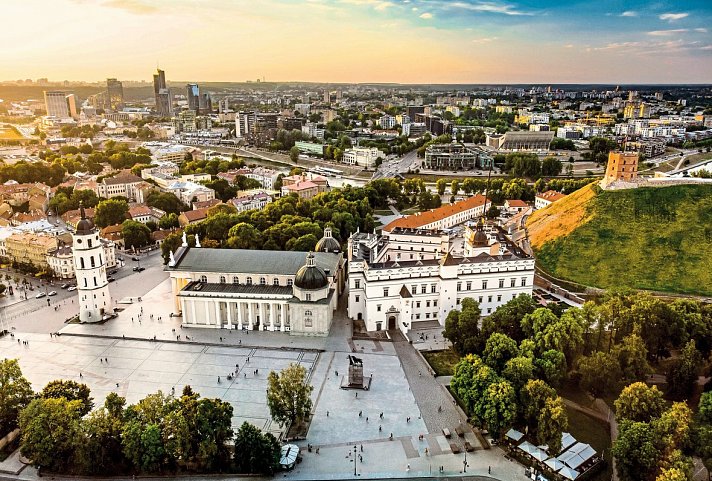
<point>464,463</point>
<point>355,456</point>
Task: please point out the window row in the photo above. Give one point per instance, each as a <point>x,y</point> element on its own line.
<point>248,281</point>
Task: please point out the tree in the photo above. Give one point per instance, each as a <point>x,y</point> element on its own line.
<point>498,407</point>
<point>599,373</point>
<point>255,452</point>
<point>454,187</point>
<point>532,398</point>
<point>441,185</point>
<point>15,394</point>
<point>518,371</point>
<point>244,236</point>
<point>71,391</point>
<point>135,234</point>
<point>507,318</point>
<point>682,374</point>
<point>169,221</point>
<point>288,395</point>
<point>499,349</point>
<point>100,452</point>
<point>110,212</point>
<point>50,432</point>
<point>633,358</point>
<point>638,402</point>
<point>166,201</point>
<point>551,423</point>
<point>551,167</point>
<point>552,366</point>
<point>705,408</point>
<point>635,451</point>
<point>461,327</point>
<point>294,154</point>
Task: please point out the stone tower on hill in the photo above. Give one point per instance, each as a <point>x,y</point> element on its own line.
<point>622,168</point>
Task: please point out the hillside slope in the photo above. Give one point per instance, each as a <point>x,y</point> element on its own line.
<point>647,238</point>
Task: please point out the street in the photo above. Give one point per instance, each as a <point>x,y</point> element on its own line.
<point>14,309</point>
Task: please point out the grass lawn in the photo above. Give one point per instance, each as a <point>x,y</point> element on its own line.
<point>595,433</point>
<point>442,362</point>
<point>647,238</point>
<point>695,158</point>
<point>8,132</point>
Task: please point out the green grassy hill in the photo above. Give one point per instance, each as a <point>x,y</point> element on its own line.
<point>648,238</point>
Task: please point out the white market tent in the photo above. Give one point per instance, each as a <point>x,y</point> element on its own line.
<point>554,464</point>
<point>567,440</point>
<point>527,447</point>
<point>569,473</point>
<point>514,435</point>
<point>288,456</point>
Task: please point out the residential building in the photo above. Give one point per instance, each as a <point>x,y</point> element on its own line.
<point>125,184</point>
<point>515,205</point>
<point>310,147</point>
<point>266,177</point>
<point>145,214</point>
<point>387,121</point>
<point>312,129</point>
<point>256,201</point>
<point>363,156</point>
<point>30,248</point>
<point>193,216</point>
<point>546,198</point>
<point>59,104</point>
<point>190,192</point>
<point>261,290</point>
<point>443,217</point>
<point>61,261</point>
<point>114,94</point>
<point>449,157</point>
<point>164,104</point>
<point>306,185</point>
<point>408,278</point>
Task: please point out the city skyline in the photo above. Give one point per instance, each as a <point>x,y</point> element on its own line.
<point>405,41</point>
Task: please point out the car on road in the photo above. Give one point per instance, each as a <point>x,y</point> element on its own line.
<point>64,286</point>
<point>134,258</point>
<point>110,279</point>
<point>139,269</point>
<point>72,288</point>
<point>40,295</point>
<point>52,293</point>
<point>113,271</point>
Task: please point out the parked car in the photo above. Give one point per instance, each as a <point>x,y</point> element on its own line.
<point>139,269</point>
<point>52,293</point>
<point>113,271</point>
<point>72,288</point>
<point>40,295</point>
<point>64,286</point>
<point>134,258</point>
<point>110,279</point>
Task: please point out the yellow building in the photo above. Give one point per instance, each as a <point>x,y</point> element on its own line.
<point>30,248</point>
<point>622,166</point>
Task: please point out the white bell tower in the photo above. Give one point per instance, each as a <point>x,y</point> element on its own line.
<point>90,270</point>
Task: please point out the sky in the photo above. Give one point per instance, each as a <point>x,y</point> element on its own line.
<point>398,41</point>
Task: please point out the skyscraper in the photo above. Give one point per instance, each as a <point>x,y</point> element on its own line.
<point>60,104</point>
<point>164,107</point>
<point>115,94</point>
<point>193,96</point>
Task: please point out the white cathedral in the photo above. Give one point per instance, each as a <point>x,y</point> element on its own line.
<point>90,270</point>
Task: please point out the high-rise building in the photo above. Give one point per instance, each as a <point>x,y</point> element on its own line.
<point>60,104</point>
<point>205,103</point>
<point>90,270</point>
<point>193,96</point>
<point>164,107</point>
<point>114,94</point>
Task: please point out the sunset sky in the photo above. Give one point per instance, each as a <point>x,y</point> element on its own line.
<point>404,41</point>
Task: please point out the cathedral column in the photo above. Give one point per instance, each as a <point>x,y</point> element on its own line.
<point>207,312</point>
<point>283,314</point>
<point>271,316</point>
<point>218,317</point>
<point>229,314</point>
<point>192,307</point>
<point>250,317</point>
<point>239,315</point>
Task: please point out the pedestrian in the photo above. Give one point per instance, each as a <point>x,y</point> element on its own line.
<point>426,451</point>
<point>100,359</point>
<point>362,448</point>
<point>80,375</point>
<point>356,394</point>
<point>380,428</point>
<point>360,458</point>
<point>360,413</point>
<point>366,418</point>
<point>391,437</point>
<point>123,336</point>
<point>218,379</point>
<point>117,385</point>
<point>245,374</point>
<point>407,467</point>
<point>489,469</point>
<point>381,415</point>
<point>327,414</point>
<point>317,450</point>
<point>106,359</point>
<point>336,373</point>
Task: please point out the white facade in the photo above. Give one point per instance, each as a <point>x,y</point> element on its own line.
<point>407,276</point>
<point>90,270</point>
<point>363,156</point>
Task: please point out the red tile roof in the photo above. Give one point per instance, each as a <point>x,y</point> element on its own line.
<point>425,218</point>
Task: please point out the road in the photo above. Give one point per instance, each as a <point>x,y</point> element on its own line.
<point>14,310</point>
<point>401,165</point>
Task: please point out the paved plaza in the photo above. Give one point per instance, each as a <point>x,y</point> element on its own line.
<point>145,350</point>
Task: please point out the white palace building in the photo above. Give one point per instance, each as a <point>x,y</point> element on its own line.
<point>285,291</point>
<point>408,276</point>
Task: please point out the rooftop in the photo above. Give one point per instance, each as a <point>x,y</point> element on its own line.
<point>424,218</point>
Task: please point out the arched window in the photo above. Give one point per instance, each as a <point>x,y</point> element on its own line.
<point>81,262</point>
<point>89,241</point>
<point>222,279</point>
<point>91,260</point>
<point>275,282</point>
<point>307,313</point>
<point>290,282</point>
<point>235,280</point>
<point>248,281</point>
<point>263,281</point>
<point>203,279</point>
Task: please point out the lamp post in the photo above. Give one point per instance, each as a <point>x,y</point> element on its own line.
<point>355,456</point>
<point>464,463</point>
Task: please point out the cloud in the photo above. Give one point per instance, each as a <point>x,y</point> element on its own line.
<point>489,7</point>
<point>133,6</point>
<point>485,39</point>
<point>667,33</point>
<point>629,13</point>
<point>701,30</point>
<point>426,16</point>
<point>671,17</point>
<point>649,47</point>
